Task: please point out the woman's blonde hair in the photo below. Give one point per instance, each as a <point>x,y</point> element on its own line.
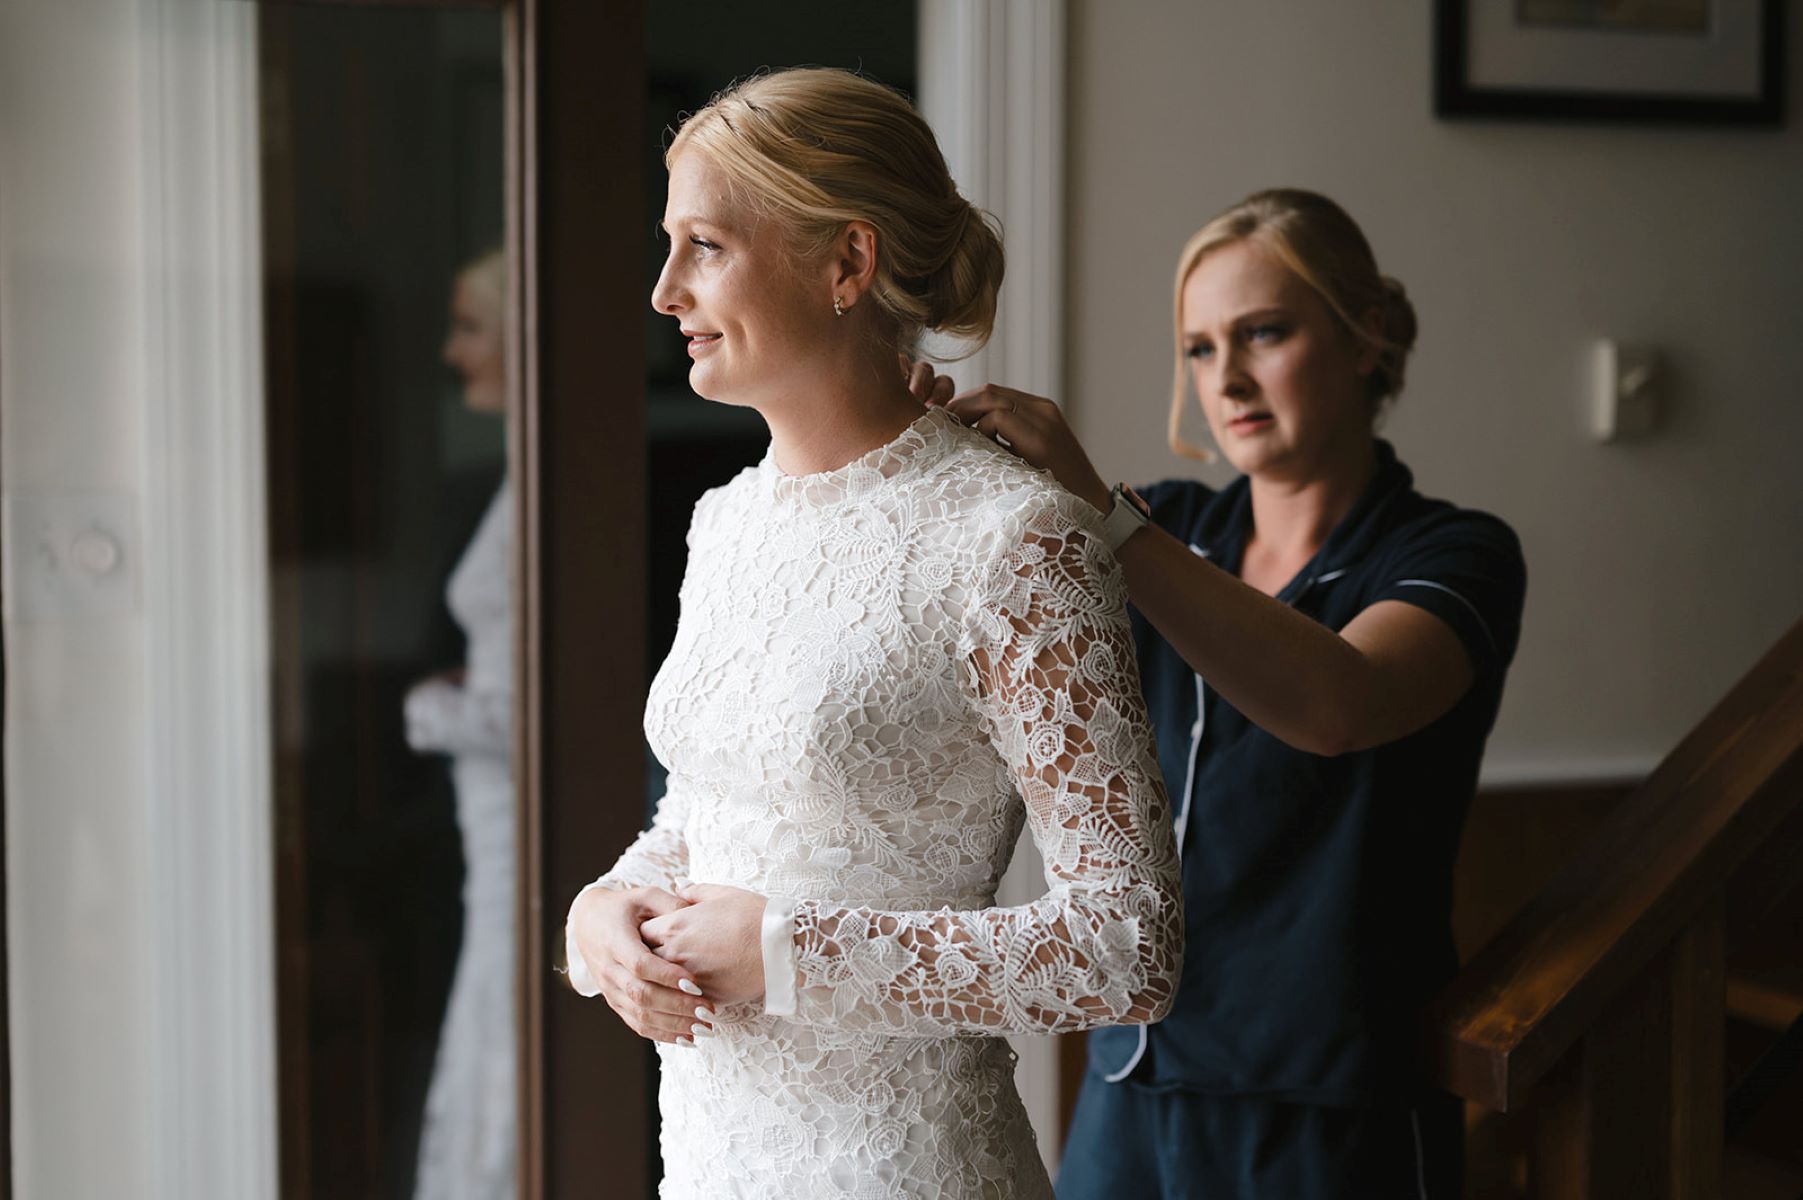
<point>815,148</point>
<point>486,275</point>
<point>1316,239</point>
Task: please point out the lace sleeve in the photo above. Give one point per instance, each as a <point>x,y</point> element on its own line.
<point>1051,672</point>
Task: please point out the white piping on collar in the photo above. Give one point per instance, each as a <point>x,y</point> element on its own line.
<point>1182,824</point>
<point>1139,1052</point>
<point>1189,780</point>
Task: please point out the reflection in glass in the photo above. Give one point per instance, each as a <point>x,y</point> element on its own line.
<point>391,547</point>
<point>466,712</point>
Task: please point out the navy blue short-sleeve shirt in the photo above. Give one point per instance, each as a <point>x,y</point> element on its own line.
<point>1318,891</point>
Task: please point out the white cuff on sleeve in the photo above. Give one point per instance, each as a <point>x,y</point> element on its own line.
<point>779,956</point>
<point>580,979</point>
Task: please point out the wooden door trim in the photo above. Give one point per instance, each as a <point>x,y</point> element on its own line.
<point>580,438</point>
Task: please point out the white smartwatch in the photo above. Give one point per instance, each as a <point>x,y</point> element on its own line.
<point>1126,516</point>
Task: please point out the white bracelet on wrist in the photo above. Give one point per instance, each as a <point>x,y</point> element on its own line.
<point>1126,516</point>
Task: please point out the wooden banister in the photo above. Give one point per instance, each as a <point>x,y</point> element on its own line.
<point>1630,929</point>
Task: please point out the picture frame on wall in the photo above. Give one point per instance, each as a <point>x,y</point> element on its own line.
<point>1716,62</point>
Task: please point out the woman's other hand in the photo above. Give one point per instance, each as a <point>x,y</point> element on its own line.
<point>648,992</point>
<point>427,710</point>
<point>717,936</point>
<point>929,387</point>
<point>1034,428</point>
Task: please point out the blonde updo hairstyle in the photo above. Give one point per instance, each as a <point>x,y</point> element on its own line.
<point>815,148</point>
<point>1316,239</point>
<point>486,275</point>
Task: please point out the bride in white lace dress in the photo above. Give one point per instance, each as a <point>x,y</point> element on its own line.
<point>898,644</point>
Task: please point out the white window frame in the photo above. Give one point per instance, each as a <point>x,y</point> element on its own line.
<point>992,85</point>
<point>206,607</point>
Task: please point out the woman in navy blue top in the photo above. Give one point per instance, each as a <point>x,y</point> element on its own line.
<point>1323,651</point>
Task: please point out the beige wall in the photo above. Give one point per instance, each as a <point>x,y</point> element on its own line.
<point>78,832</point>
<point>1658,571</point>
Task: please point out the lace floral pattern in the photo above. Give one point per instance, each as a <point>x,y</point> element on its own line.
<point>881,674</point>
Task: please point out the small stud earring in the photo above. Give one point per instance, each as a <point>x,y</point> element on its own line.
<point>838,310</point>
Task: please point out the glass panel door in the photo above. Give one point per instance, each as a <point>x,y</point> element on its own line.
<point>392,557</point>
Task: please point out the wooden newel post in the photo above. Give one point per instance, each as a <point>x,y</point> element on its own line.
<point>1635,1107</point>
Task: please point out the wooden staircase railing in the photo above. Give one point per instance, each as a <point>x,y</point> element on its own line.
<point>1600,1005</point>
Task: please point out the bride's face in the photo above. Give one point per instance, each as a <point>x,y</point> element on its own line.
<point>754,316</point>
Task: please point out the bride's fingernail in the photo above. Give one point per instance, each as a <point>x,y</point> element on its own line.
<point>687,1043</point>
<point>706,1014</point>
<point>689,986</point>
<point>700,1030</point>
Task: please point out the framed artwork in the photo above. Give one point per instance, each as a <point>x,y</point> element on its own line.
<point>1657,61</point>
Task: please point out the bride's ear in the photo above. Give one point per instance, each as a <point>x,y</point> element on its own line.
<point>854,258</point>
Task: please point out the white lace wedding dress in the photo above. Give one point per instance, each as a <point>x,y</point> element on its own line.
<point>874,668</point>
<point>468,1136</point>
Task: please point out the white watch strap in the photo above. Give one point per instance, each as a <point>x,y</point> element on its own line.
<point>1124,519</point>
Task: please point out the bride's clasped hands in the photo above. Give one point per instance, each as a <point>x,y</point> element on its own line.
<point>657,998</point>
<point>714,937</point>
<point>666,960</point>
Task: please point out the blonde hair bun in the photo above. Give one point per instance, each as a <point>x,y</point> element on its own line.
<point>961,295</point>
<point>818,147</point>
<point>486,275</point>
<point>1398,339</point>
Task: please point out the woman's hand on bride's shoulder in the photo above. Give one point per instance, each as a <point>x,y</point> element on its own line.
<point>718,937</point>
<point>657,999</point>
<point>929,387</point>
<point>1034,428</point>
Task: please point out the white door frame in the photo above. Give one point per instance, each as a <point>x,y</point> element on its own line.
<point>211,907</point>
<point>992,85</point>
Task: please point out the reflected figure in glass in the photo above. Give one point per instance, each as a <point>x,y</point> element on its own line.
<point>382,168</point>
<point>467,1142</point>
